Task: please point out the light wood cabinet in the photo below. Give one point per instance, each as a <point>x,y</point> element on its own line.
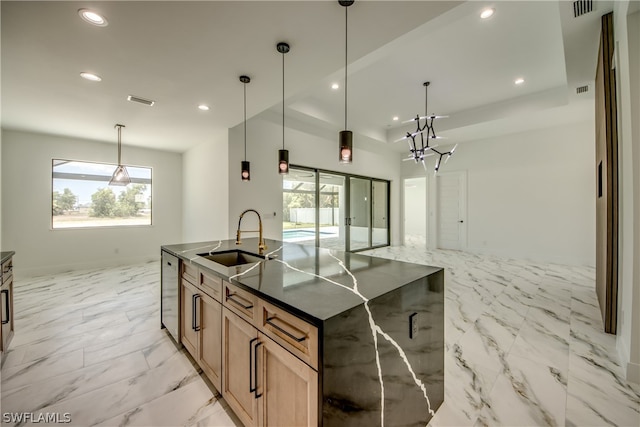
<point>210,338</point>
<point>188,334</point>
<point>265,382</point>
<point>289,388</point>
<point>202,324</point>
<point>238,367</point>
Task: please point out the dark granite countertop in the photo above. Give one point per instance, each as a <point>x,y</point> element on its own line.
<point>6,255</point>
<point>306,280</point>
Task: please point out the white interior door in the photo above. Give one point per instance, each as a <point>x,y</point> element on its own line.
<point>452,208</point>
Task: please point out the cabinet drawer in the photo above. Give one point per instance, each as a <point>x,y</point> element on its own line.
<point>241,302</point>
<point>189,272</point>
<point>291,332</point>
<point>211,284</point>
<point>7,270</point>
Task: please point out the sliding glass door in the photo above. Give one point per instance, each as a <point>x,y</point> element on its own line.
<point>334,210</point>
<point>359,220</point>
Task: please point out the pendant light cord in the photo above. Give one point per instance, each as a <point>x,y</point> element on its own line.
<point>119,145</point>
<point>283,100</point>
<point>245,121</point>
<point>346,26</point>
<point>426,91</point>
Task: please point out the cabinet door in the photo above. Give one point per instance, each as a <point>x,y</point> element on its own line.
<point>189,336</point>
<point>6,300</point>
<point>238,367</point>
<point>210,339</point>
<point>289,388</point>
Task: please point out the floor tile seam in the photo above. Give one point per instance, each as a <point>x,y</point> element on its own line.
<point>149,402</point>
<point>87,390</point>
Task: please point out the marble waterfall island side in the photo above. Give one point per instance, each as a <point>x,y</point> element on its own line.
<point>380,326</point>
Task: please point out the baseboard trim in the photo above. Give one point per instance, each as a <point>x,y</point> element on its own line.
<point>633,372</point>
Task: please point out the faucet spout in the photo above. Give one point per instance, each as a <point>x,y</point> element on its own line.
<point>261,245</point>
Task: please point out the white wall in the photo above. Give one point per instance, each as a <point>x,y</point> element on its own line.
<point>415,209</point>
<point>26,194</point>
<point>627,36</point>
<point>530,195</point>
<point>206,191</point>
<point>312,148</point>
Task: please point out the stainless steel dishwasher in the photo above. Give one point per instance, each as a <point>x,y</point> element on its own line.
<point>170,291</point>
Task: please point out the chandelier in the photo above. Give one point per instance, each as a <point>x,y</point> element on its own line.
<point>419,149</point>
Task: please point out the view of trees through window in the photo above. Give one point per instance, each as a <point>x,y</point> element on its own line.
<point>82,196</point>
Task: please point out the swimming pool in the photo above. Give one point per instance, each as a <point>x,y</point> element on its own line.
<point>292,234</point>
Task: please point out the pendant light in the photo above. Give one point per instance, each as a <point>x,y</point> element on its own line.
<point>283,155</point>
<point>246,171</point>
<point>120,175</point>
<point>417,152</point>
<point>345,154</point>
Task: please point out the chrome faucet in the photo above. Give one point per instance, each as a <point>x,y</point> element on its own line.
<point>261,244</point>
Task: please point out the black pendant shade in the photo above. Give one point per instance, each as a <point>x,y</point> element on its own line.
<point>246,171</point>
<point>346,146</point>
<point>283,162</point>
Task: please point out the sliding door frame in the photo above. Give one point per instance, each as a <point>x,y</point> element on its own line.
<point>347,213</point>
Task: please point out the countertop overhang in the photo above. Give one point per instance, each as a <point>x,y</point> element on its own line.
<point>6,255</point>
<point>315,283</point>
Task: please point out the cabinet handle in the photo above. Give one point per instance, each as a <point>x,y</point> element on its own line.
<point>252,389</point>
<point>255,369</point>
<point>7,307</point>
<point>196,327</point>
<point>287,333</point>
<point>245,306</point>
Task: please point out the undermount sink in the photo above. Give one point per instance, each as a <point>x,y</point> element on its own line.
<point>232,258</point>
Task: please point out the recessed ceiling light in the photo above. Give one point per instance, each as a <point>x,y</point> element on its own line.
<point>335,86</point>
<point>91,76</point>
<point>396,118</point>
<point>203,107</point>
<point>487,13</point>
<point>93,17</point>
<point>519,81</point>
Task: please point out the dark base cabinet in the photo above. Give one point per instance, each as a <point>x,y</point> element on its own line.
<point>351,390</point>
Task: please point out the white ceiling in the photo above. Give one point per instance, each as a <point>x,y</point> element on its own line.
<point>181,54</point>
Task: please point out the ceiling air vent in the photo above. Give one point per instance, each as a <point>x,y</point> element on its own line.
<point>580,7</point>
<point>139,100</point>
<point>582,89</point>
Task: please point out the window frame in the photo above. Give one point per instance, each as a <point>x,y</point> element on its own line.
<point>113,165</point>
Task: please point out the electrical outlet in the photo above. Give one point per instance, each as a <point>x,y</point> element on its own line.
<point>413,325</point>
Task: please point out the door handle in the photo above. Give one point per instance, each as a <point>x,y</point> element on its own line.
<point>252,372</point>
<point>7,307</point>
<point>255,367</point>
<point>461,221</point>
<point>195,312</point>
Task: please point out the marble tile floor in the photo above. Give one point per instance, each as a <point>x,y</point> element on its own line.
<point>523,347</point>
<point>89,344</point>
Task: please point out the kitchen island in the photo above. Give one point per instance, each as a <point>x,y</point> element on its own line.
<point>367,333</point>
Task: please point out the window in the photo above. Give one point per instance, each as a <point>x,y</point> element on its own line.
<point>82,198</point>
